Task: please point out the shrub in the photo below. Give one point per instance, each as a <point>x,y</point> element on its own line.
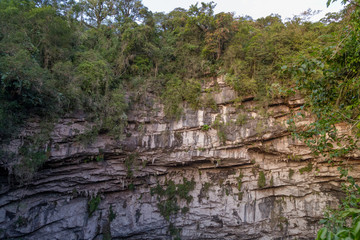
<point>241,119</point>
<point>205,128</point>
<point>93,204</point>
<point>291,173</point>
<point>308,168</point>
<point>242,84</point>
<point>168,197</point>
<point>220,128</point>
<point>261,180</point>
<point>176,92</point>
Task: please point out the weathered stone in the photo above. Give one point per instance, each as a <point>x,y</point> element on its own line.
<point>227,200</point>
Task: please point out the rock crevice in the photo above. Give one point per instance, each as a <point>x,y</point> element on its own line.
<point>248,182</point>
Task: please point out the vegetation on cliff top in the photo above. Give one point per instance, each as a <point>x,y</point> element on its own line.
<point>62,56</point>
<point>59,57</point>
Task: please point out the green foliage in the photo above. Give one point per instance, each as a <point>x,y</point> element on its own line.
<point>137,215</point>
<point>291,173</point>
<point>168,208</point>
<point>242,85</point>
<point>185,210</point>
<point>32,39</point>
<point>178,91</point>
<point>30,162</point>
<point>343,222</point>
<point>260,127</point>
<point>220,127</point>
<point>205,128</point>
<point>98,10</point>
<point>272,181</point>
<point>129,164</point>
<point>239,182</point>
<point>131,187</point>
<point>184,189</point>
<point>112,214</point>
<point>113,117</point>
<point>53,61</point>
<point>99,158</point>
<point>261,180</point>
<point>88,136</point>
<point>33,153</point>
<point>206,187</point>
<point>308,168</point>
<point>93,204</point>
<point>277,90</point>
<point>209,102</point>
<point>174,232</point>
<point>293,157</point>
<point>168,198</point>
<point>173,99</point>
<point>37,38</point>
<point>94,74</point>
<point>21,221</point>
<point>241,119</point>
<point>329,78</point>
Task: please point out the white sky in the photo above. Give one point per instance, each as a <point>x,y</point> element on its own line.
<point>253,8</point>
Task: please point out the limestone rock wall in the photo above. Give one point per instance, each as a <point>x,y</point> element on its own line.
<point>252,179</point>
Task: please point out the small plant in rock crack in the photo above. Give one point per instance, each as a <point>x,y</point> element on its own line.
<point>261,180</point>
<point>240,182</point>
<point>291,173</point>
<point>272,181</point>
<point>241,119</point>
<point>205,128</point>
<point>129,165</point>
<point>308,168</point>
<point>220,127</point>
<point>21,222</point>
<point>112,214</point>
<point>174,231</point>
<point>93,204</point>
<point>99,158</point>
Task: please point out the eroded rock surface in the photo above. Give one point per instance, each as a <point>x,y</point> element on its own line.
<point>253,180</point>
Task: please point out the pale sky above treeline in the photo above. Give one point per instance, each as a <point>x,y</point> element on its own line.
<point>252,8</point>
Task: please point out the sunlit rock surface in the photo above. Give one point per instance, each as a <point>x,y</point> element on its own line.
<point>229,200</point>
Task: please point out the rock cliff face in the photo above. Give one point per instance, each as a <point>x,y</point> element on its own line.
<point>234,172</point>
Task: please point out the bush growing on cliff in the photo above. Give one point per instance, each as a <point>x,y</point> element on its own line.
<point>177,92</point>
<point>242,85</point>
<point>261,180</point>
<point>93,204</point>
<point>220,127</point>
<point>168,198</point>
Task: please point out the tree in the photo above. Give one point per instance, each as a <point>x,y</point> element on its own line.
<point>130,10</point>
<point>216,39</point>
<point>50,34</point>
<point>203,16</point>
<point>98,10</point>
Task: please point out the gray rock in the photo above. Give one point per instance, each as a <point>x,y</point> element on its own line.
<point>227,202</point>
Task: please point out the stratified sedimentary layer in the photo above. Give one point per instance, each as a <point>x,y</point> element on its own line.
<point>252,179</point>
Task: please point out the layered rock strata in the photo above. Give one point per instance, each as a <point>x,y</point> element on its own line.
<point>250,179</point>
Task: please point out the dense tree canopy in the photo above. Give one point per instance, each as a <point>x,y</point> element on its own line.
<point>73,53</point>
<point>62,56</point>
